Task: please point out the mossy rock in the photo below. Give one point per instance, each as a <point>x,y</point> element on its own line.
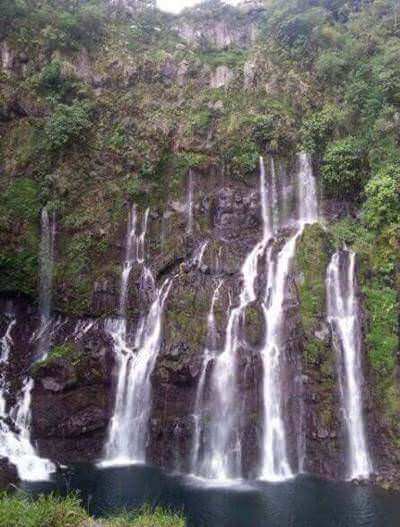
<point>254,324</point>
<point>313,254</point>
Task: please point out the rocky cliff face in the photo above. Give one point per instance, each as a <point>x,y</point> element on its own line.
<point>170,95</point>
<point>74,389</point>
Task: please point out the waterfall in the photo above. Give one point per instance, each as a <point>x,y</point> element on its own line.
<point>197,260</point>
<point>223,456</point>
<point>46,265</point>
<point>217,447</point>
<point>190,204</point>
<point>307,191</point>
<point>275,464</point>
<point>15,441</point>
<point>131,249</point>
<point>5,348</point>
<point>344,320</point>
<point>18,445</point>
<point>128,426</point>
<point>209,354</point>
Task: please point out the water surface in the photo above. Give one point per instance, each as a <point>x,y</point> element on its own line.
<point>302,502</point>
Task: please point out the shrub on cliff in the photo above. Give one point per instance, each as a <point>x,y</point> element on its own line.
<point>342,170</point>
<point>66,124</point>
<point>382,205</point>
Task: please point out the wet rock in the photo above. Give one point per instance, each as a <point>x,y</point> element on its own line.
<point>78,388</point>
<point>254,325</point>
<point>8,474</point>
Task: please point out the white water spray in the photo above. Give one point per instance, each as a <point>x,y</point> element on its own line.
<point>15,440</point>
<point>190,204</point>
<point>275,465</point>
<point>127,435</point>
<point>222,460</point>
<point>128,427</point>
<point>209,354</point>
<point>46,266</point>
<point>343,318</point>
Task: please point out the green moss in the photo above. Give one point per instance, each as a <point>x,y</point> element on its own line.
<point>67,352</point>
<point>187,305</point>
<point>21,200</point>
<point>254,324</point>
<point>63,351</point>
<point>312,260</point>
<point>232,58</point>
<point>19,236</point>
<point>19,271</point>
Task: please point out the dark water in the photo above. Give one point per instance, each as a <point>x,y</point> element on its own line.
<point>303,502</point>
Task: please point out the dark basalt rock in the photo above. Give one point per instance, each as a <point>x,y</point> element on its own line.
<point>78,391</point>
<point>8,474</point>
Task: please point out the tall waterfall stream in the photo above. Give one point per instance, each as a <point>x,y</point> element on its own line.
<point>136,360</point>
<point>15,422</point>
<point>344,320</point>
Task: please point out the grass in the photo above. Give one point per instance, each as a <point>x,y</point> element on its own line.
<point>47,511</point>
<point>147,517</point>
<point>20,510</point>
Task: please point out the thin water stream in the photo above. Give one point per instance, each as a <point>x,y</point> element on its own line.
<point>344,320</point>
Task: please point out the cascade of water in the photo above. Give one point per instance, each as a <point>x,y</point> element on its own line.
<point>131,251</point>
<point>190,204</point>
<point>5,347</point>
<point>275,464</point>
<point>128,426</point>
<point>307,191</point>
<point>15,442</point>
<point>199,254</point>
<point>343,318</point>
<point>223,458</point>
<point>209,354</point>
<point>222,443</point>
<point>30,466</point>
<point>46,265</point>
<point>140,253</point>
<point>127,435</point>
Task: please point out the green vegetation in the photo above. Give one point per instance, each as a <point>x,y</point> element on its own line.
<point>99,109</point>
<point>19,510</point>
<point>146,517</point>
<point>341,170</point>
<point>68,353</point>
<point>312,259</point>
<point>62,351</point>
<point>382,205</point>
<point>121,106</point>
<point>381,336</point>
<point>67,124</point>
